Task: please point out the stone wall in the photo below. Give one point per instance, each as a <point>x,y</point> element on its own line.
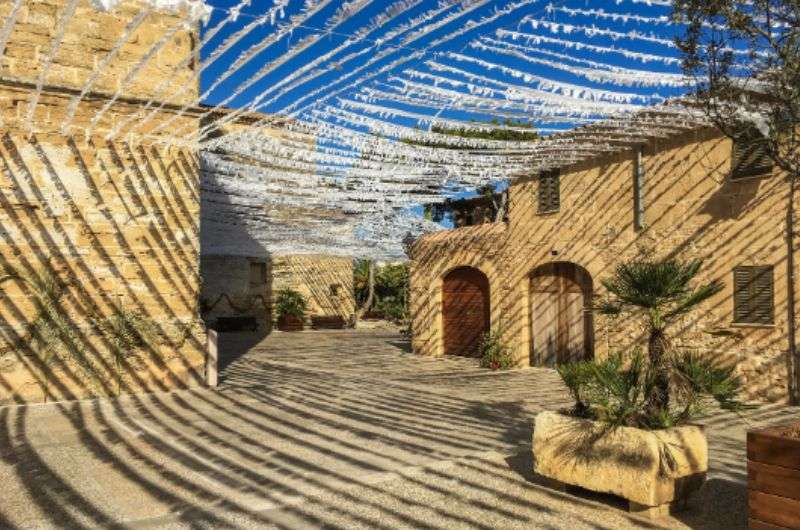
<point>326,282</point>
<point>233,286</point>
<point>96,235</point>
<point>236,286</point>
<point>692,211</point>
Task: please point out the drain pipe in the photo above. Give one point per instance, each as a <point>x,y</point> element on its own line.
<point>794,377</point>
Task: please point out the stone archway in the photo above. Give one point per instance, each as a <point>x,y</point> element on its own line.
<point>561,319</point>
<point>465,310</point>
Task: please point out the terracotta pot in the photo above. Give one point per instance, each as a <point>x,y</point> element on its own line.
<point>773,477</point>
<point>290,323</point>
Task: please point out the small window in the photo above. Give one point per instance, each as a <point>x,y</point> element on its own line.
<point>549,191</point>
<point>753,295</point>
<point>258,273</point>
<point>750,155</point>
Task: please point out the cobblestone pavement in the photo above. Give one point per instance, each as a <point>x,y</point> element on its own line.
<point>325,430</point>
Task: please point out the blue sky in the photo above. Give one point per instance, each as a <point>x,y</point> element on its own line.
<point>325,39</point>
<point>316,25</point>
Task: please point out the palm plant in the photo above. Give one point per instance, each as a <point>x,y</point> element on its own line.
<point>661,291</point>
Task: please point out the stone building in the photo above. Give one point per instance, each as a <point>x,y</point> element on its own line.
<point>246,286</point>
<point>240,273</point>
<point>690,195</point>
<point>99,215</point>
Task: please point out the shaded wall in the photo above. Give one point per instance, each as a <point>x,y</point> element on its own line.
<point>236,286</point>
<point>692,211</point>
<point>92,229</point>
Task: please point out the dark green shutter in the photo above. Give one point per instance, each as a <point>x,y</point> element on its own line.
<point>750,156</point>
<point>753,295</point>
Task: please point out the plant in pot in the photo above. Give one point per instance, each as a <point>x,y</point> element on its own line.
<point>629,432</point>
<point>494,352</point>
<point>290,307</point>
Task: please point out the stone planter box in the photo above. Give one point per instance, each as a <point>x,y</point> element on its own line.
<point>290,323</point>
<point>655,471</point>
<point>773,478</point>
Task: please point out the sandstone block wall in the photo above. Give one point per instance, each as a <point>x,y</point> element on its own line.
<point>232,287</point>
<point>692,211</point>
<point>326,282</point>
<point>90,228</point>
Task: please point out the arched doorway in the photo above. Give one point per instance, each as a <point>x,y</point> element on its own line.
<point>465,311</point>
<point>561,321</point>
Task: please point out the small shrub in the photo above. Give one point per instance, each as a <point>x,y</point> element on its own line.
<point>615,391</point>
<point>391,308</point>
<point>494,353</point>
<point>290,303</point>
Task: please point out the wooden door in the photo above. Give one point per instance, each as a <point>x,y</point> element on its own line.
<point>465,311</point>
<point>560,320</point>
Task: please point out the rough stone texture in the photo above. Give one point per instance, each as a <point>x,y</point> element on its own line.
<point>89,36</point>
<point>326,282</point>
<point>116,222</point>
<point>651,468</point>
<point>235,285</point>
<point>692,210</point>
<point>335,430</point>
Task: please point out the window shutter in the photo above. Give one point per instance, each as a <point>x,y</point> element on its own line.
<point>753,295</point>
<point>549,191</point>
<point>750,156</point>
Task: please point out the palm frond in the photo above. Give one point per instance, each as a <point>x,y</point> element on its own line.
<point>695,297</point>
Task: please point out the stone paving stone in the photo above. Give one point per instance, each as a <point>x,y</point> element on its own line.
<point>340,429</point>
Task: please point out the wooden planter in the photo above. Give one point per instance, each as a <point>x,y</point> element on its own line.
<point>773,471</point>
<point>327,322</point>
<point>290,323</point>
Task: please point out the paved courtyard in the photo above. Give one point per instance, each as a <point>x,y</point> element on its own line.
<point>324,430</point>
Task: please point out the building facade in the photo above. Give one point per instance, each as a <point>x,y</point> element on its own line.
<point>533,278</point>
<point>245,286</point>
<point>99,215</point>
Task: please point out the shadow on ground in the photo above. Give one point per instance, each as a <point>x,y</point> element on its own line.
<point>322,430</point>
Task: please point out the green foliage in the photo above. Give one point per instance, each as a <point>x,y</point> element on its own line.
<point>615,391</point>
<point>128,333</point>
<point>391,289</point>
<point>651,392</point>
<point>290,303</point>
<point>129,330</point>
<point>577,377</point>
<point>663,288</point>
<point>392,281</point>
<point>698,376</point>
<point>494,352</point>
<point>361,280</point>
<point>52,337</point>
<point>757,87</point>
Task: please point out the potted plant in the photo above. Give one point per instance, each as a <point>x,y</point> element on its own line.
<point>629,432</point>
<point>494,353</point>
<point>773,473</point>
<point>290,307</point>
